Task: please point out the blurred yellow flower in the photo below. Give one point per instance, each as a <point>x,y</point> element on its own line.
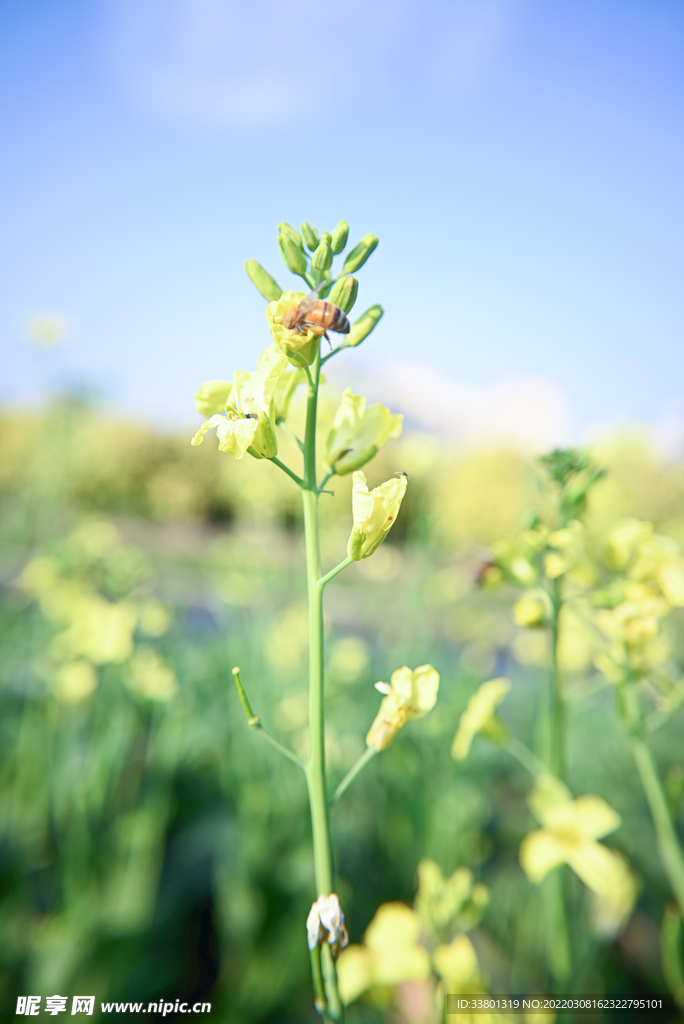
<point>410,695</point>
<point>569,835</point>
<point>390,953</point>
<point>46,329</point>
<point>101,631</point>
<point>448,903</point>
<point>530,610</point>
<point>300,349</point>
<point>555,564</point>
<point>357,432</point>
<point>456,963</point>
<point>150,677</point>
<point>212,397</point>
<point>479,717</point>
<point>374,513</point>
<point>154,619</point>
<point>74,682</point>
<point>247,425</point>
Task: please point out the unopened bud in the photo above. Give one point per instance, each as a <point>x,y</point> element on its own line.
<point>310,236</point>
<point>339,237</point>
<point>362,327</point>
<point>287,229</point>
<point>323,257</point>
<point>293,257</point>
<point>360,253</point>
<point>343,293</point>
<point>355,545</point>
<point>262,281</point>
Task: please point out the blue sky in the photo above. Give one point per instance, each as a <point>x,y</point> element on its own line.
<point>520,160</point>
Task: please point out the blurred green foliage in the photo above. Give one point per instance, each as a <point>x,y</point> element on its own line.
<point>150,847</point>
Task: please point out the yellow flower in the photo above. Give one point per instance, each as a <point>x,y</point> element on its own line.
<point>448,903</point>
<point>456,963</point>
<point>374,513</point>
<point>248,425</point>
<point>300,349</point>
<point>74,682</point>
<point>390,953</point>
<point>410,695</point>
<point>357,432</point>
<point>569,835</point>
<point>212,397</point>
<point>530,610</point>
<point>101,631</point>
<point>555,564</point>
<point>150,677</point>
<point>479,716</point>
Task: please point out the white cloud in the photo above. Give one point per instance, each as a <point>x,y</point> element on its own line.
<point>524,412</point>
<point>224,63</point>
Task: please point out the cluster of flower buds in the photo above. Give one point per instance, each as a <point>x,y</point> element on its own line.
<point>325,923</point>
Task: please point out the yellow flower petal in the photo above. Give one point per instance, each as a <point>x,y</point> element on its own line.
<point>357,432</point>
<point>211,397</point>
<point>541,852</point>
<point>411,695</point>
<point>300,349</point>
<point>589,817</point>
<point>457,964</point>
<point>374,513</point>
<point>480,709</point>
<point>392,939</point>
<point>600,868</point>
<point>353,973</point>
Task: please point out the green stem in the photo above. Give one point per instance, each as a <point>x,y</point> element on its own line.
<point>281,465</point>
<point>555,731</point>
<point>315,773</point>
<point>323,580</point>
<point>333,353</point>
<point>331,472</point>
<point>557,937</point>
<point>553,757</point>
<point>525,757</point>
<point>283,425</point>
<point>368,755</point>
<point>669,848</point>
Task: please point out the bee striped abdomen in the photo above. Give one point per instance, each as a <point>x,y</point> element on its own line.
<point>327,316</point>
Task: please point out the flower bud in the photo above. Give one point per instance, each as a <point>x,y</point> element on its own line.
<point>339,237</point>
<point>287,229</point>
<point>343,293</point>
<point>262,281</point>
<point>360,253</point>
<point>366,323</point>
<point>323,257</point>
<point>293,257</point>
<point>310,236</point>
<point>373,512</point>
<point>212,397</point>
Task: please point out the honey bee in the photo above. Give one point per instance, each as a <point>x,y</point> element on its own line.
<point>317,315</point>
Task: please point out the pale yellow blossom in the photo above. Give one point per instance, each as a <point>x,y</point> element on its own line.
<point>409,695</point>
<point>479,716</point>
<point>374,513</point>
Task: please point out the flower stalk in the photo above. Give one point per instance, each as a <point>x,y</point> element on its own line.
<point>245,413</point>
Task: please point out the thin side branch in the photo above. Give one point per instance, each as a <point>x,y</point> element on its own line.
<point>367,756</point>
<point>281,465</point>
<point>323,580</point>
<point>254,722</point>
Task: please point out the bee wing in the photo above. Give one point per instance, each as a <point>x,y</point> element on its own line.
<point>307,303</point>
